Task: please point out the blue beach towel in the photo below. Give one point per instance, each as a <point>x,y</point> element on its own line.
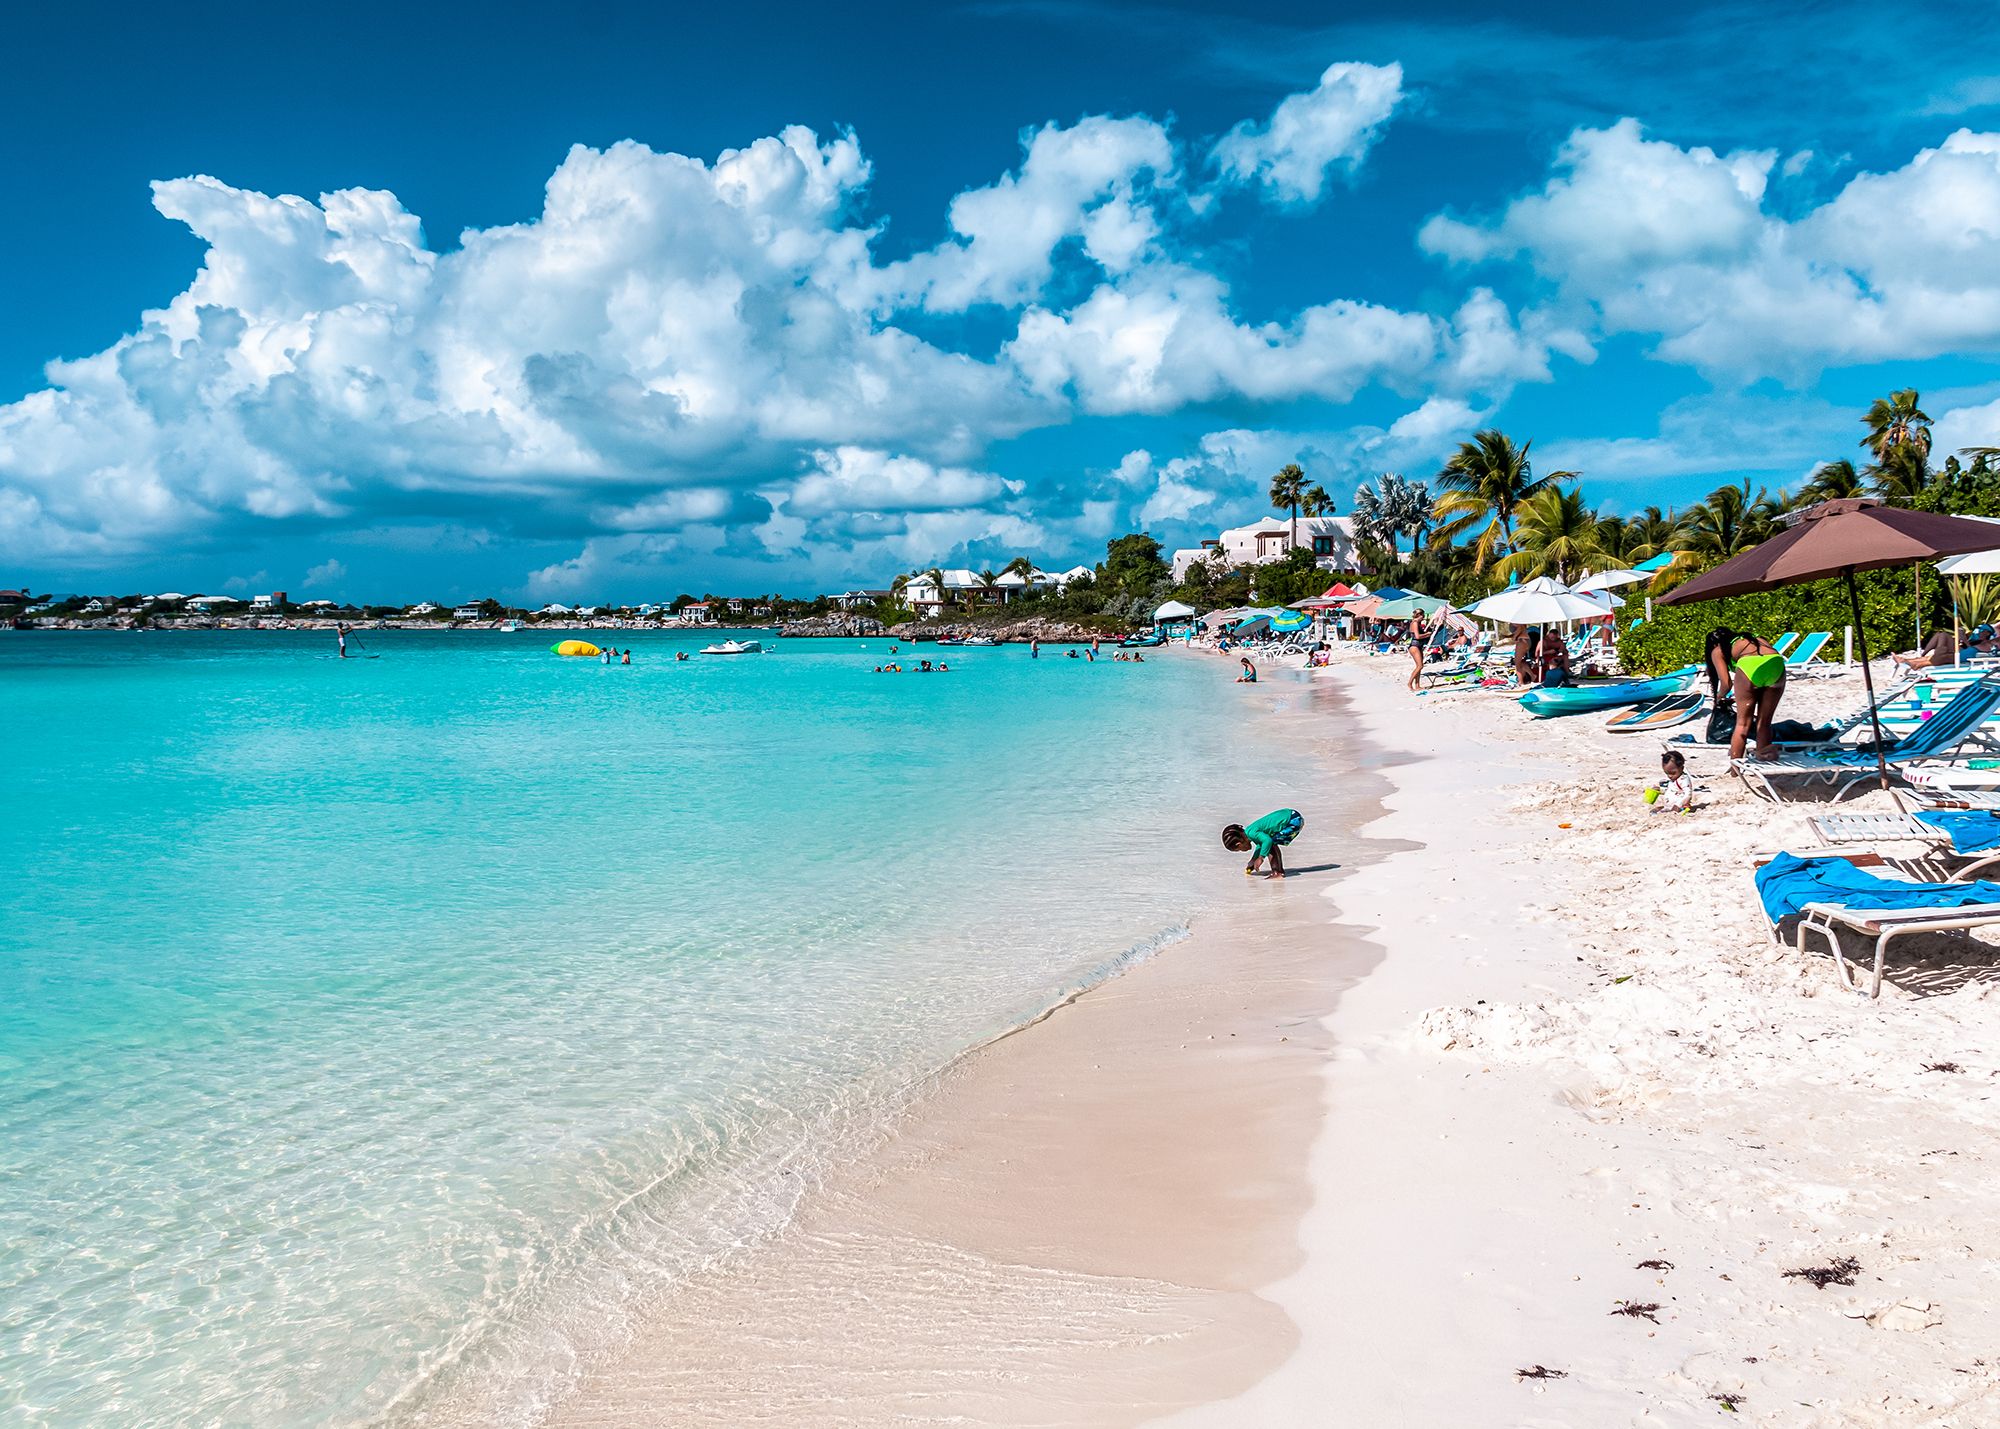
<point>1970,830</point>
<point>1787,883</point>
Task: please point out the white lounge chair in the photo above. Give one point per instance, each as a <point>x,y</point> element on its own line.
<point>1845,767</point>
<point>1852,912</point>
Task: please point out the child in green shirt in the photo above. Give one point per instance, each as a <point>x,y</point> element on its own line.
<point>1264,838</point>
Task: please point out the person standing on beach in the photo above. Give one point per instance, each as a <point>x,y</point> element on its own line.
<point>1418,639</point>
<point>1262,839</point>
<point>1524,655</point>
<point>1755,673</point>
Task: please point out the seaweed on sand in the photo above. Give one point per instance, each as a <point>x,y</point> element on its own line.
<point>1541,1371</point>
<point>1841,1272</point>
<point>1637,1310</point>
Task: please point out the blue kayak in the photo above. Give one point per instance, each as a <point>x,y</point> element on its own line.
<point>1545,703</point>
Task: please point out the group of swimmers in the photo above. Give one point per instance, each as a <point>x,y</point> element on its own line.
<point>923,667</point>
<point>616,656</point>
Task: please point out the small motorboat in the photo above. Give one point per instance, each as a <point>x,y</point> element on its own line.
<point>1142,642</point>
<point>735,647</point>
<point>979,640</point>
<point>1544,703</point>
<point>509,627</point>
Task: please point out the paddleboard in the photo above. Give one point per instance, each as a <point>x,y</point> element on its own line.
<point>1661,714</point>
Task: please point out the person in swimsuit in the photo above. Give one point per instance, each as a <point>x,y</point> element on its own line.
<point>1555,656</point>
<point>1249,675</point>
<point>1938,652</point>
<point>1755,675</point>
<point>1418,639</point>
<point>1526,638</point>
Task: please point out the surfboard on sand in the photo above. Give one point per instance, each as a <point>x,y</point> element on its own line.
<point>1660,714</point>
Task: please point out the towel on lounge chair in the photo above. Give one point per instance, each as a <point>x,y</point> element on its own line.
<point>1970,830</point>
<point>1788,883</point>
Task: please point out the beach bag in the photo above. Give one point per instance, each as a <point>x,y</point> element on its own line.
<point>1722,721</point>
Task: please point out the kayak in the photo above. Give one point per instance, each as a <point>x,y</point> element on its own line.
<point>1545,703</point>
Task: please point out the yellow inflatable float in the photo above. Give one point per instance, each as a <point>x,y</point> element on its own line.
<point>575,647</point>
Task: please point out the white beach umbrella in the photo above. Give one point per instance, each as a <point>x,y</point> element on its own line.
<point>1978,563</point>
<point>1537,602</point>
<point>1609,580</point>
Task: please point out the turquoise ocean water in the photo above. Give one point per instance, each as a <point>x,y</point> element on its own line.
<point>369,1029</point>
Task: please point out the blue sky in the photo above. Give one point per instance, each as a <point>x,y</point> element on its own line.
<point>335,302</point>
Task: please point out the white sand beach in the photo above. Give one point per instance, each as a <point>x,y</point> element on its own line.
<point>1400,1133</point>
<point>1581,1061</point>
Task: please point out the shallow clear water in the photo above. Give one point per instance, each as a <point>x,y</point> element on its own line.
<point>367,1026</point>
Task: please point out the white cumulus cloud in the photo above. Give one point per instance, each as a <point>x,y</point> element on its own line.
<point>1680,243</point>
<point>1308,135</point>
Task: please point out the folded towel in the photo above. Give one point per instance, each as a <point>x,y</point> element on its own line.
<point>1787,883</point>
<point>1970,830</point>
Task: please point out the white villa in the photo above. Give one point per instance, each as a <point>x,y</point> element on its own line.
<point>928,599</point>
<point>1331,539</point>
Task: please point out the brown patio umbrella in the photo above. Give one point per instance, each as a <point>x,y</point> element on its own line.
<point>1838,538</point>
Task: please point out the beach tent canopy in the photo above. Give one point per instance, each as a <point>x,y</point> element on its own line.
<point>1173,610</point>
<point>1536,602</point>
<point>1608,580</point>
<point>1216,619</point>
<point>1838,538</point>
<point>1341,588</point>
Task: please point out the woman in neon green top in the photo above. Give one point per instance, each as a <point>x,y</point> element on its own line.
<point>1754,674</point>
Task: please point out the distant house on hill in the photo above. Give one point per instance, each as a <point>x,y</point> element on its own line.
<point>473,610</point>
<point>1329,538</point>
<point>858,599</point>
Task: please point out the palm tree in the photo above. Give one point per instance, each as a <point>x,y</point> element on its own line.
<point>1832,481</point>
<point>1558,536</point>
<point>1314,501</point>
<point>1730,521</point>
<point>988,582</point>
<point>1409,505</point>
<point>1288,488</point>
<point>1486,480</point>
<point>1020,566</point>
<point>1899,438</point>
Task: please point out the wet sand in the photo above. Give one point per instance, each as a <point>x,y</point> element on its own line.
<point>1074,1226</point>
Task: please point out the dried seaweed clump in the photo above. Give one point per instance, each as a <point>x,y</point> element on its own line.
<point>1637,1310</point>
<point>1841,1272</point>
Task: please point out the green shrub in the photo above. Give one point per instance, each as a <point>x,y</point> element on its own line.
<point>1676,633</point>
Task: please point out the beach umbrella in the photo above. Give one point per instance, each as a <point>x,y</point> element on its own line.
<point>1656,564</point>
<point>1976,563</point>
<point>1403,607</point>
<point>1540,601</point>
<point>1838,538</point>
<point>1287,621</point>
<point>1608,580</point>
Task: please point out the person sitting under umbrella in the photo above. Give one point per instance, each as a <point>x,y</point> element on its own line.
<point>1755,674</point>
<point>1555,659</point>
<point>1939,651</point>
